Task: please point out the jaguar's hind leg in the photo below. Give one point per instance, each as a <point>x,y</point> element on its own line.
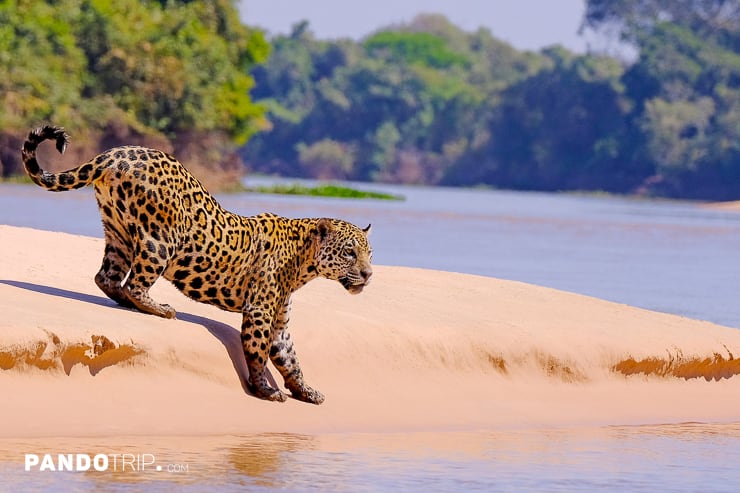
<point>112,273</point>
<point>147,266</point>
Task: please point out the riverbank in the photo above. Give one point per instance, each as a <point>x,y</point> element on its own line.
<point>418,350</point>
<point>732,206</point>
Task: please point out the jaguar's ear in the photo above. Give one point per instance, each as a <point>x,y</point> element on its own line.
<point>367,230</point>
<point>324,227</point>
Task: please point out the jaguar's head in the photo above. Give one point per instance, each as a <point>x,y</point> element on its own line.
<point>344,254</point>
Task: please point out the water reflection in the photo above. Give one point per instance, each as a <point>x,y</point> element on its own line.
<point>683,457</point>
<point>265,458</point>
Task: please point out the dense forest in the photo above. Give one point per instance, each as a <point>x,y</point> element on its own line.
<point>429,103</point>
<point>167,74</point>
<point>424,102</point>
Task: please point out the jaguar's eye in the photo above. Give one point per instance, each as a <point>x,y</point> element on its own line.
<point>350,252</point>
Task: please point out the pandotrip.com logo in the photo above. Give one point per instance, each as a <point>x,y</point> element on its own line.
<point>119,463</point>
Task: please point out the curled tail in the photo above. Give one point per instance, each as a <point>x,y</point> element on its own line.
<point>57,182</point>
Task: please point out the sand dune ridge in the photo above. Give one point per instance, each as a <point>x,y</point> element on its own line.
<point>417,350</point>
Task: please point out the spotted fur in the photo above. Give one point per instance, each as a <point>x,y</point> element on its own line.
<point>158,220</point>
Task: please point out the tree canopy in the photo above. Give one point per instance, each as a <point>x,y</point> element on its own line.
<point>685,86</point>
<point>424,102</point>
<point>427,102</point>
<point>159,68</point>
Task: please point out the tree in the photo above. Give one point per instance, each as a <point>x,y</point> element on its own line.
<point>685,88</point>
<point>393,98</point>
<point>326,159</point>
<point>685,85</point>
<point>41,64</point>
<point>563,128</point>
<point>426,102</point>
<point>162,72</point>
<point>634,19</point>
<point>182,71</point>
<point>414,47</point>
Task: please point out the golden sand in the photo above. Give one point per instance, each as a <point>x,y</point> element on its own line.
<point>418,350</point>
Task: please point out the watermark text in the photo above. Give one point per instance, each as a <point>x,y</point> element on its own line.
<point>120,462</point>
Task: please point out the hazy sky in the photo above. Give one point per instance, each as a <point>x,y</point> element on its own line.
<point>526,24</point>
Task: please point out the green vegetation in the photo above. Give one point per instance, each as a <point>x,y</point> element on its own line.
<point>22,179</point>
<point>429,103</point>
<point>170,74</point>
<point>423,103</point>
<point>326,190</point>
<point>423,48</point>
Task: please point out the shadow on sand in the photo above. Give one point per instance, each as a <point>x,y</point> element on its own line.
<point>226,335</point>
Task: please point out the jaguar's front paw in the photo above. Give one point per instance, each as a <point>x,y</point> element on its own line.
<point>307,394</point>
<point>269,393</point>
<point>167,311</point>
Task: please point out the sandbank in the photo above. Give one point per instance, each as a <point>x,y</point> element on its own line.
<point>418,350</point>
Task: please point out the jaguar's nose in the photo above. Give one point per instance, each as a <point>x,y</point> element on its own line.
<point>366,274</point>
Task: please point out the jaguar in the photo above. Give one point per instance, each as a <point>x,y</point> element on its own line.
<point>159,221</point>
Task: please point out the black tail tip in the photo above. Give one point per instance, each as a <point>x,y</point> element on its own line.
<point>56,133</point>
